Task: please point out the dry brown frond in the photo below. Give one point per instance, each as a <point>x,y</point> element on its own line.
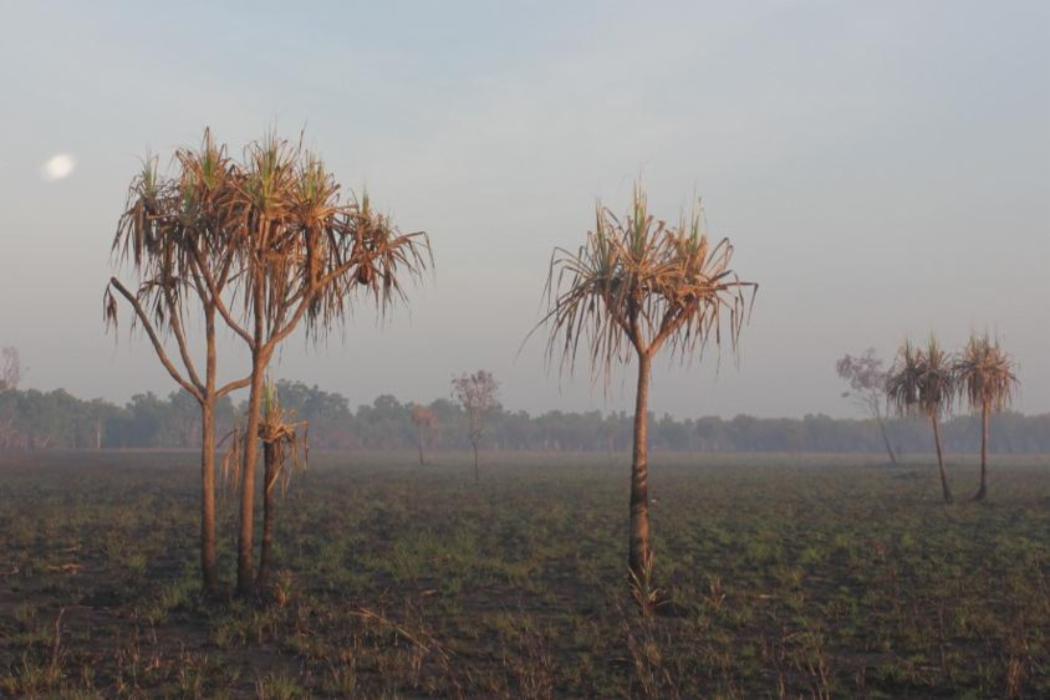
<point>986,374</point>
<point>288,440</point>
<point>638,283</point>
<point>922,380</point>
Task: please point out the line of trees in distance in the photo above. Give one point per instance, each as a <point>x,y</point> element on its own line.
<point>36,419</point>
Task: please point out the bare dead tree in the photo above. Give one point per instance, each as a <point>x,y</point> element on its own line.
<point>867,383</point>
<point>10,376</point>
<point>10,369</point>
<point>478,393</point>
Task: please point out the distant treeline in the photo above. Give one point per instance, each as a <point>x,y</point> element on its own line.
<point>33,419</point>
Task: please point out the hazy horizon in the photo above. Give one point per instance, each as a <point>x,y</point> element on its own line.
<point>883,171</point>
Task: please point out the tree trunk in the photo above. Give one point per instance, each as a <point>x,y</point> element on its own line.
<point>885,437</point>
<point>209,551</point>
<point>982,492</point>
<point>269,511</point>
<point>245,549</point>
<point>945,489</point>
<point>477,473</point>
<point>419,442</point>
<point>640,554</point>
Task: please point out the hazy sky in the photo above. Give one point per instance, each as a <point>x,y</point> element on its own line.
<point>882,168</point>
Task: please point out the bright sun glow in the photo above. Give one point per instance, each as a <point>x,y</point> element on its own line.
<point>58,167</point>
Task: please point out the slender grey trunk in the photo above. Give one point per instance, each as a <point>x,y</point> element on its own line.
<point>945,489</point>
<point>885,436</point>
<point>982,492</point>
<point>477,472</point>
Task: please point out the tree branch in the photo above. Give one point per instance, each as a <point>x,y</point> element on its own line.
<point>180,338</point>
<point>217,299</point>
<point>233,386</point>
<point>157,345</point>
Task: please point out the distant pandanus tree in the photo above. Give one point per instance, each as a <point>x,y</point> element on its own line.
<point>301,254</point>
<point>636,286</point>
<point>425,421</point>
<point>867,385</point>
<point>923,381</point>
<point>478,393</point>
<point>987,381</point>
<point>175,232</point>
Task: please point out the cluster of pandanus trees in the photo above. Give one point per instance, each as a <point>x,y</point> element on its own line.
<point>927,381</point>
<point>264,244</point>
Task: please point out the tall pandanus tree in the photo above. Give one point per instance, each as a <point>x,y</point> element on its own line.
<point>636,286</point>
<point>174,231</point>
<point>923,381</point>
<point>302,254</point>
<point>987,381</point>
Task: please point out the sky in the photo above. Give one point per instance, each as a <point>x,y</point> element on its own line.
<point>883,170</point>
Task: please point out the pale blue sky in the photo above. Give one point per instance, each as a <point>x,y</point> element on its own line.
<point>883,169</point>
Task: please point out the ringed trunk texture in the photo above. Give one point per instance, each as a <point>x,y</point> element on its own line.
<point>945,489</point>
<point>209,550</point>
<point>269,511</point>
<point>245,565</point>
<point>640,552</point>
<point>209,546</point>
<point>982,492</point>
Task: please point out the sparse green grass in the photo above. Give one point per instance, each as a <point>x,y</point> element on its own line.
<point>786,575</point>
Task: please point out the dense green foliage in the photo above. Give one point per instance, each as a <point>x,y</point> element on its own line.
<point>812,577</point>
<point>58,419</point>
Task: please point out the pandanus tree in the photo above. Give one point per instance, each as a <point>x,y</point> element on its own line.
<point>302,253</point>
<point>636,286</point>
<point>923,381</point>
<point>986,381</point>
<point>286,449</point>
<point>174,232</point>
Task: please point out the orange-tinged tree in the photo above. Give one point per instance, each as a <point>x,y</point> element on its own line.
<point>986,381</point>
<point>302,253</point>
<point>175,233</point>
<point>636,286</point>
